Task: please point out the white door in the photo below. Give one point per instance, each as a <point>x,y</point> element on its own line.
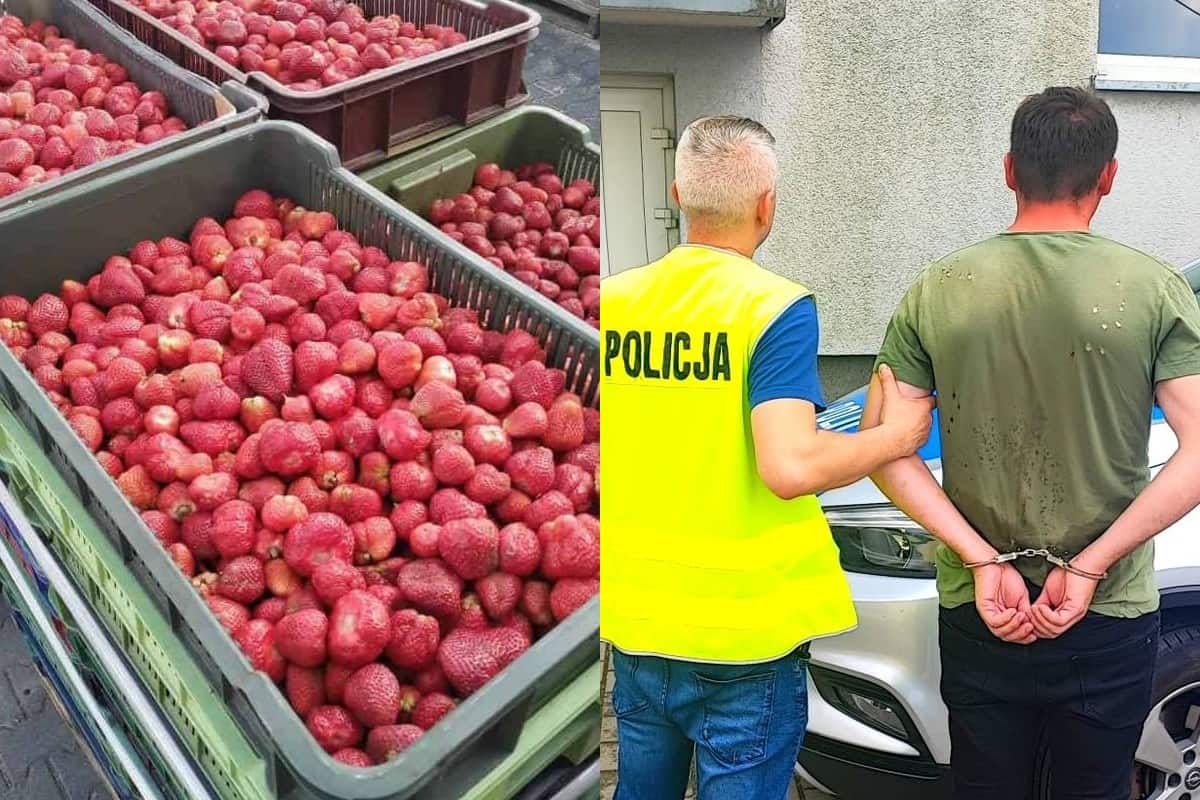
<point>637,124</point>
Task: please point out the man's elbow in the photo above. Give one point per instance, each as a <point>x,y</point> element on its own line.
<point>788,483</point>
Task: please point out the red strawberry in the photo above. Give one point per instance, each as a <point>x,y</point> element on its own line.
<point>401,435</point>
<point>213,437</point>
<point>451,504</point>
<point>333,579</point>
<point>234,530</point>
<point>498,594</point>
<point>229,613</point>
<point>437,405</point>
<point>564,425</point>
<point>414,639</point>
<point>470,547</point>
<point>374,469</point>
<point>532,470</point>
<point>550,506</point>
<point>373,695</point>
<point>334,728</point>
<point>453,465</point>
<point>527,421</point>
<point>313,496</point>
<point>212,490</point>
<point>241,579</point>
<point>333,468</point>
<point>570,594</point>
<point>282,581</point>
<point>358,629</point>
<point>431,708</point>
<point>570,550</point>
<point>256,638</point>
<point>352,756</point>
<point>431,587</point>
<point>374,538</point>
<point>355,503</point>
<point>535,382</point>
<point>305,688</point>
<point>271,609</point>
<point>576,485</point>
<point>410,480</point>
<point>255,411</point>
<point>267,369</point>
<point>137,486</point>
<point>216,401</point>
<point>283,511</point>
<point>196,533</point>
<point>321,537</point>
<point>48,313</point>
<point>535,603</point>
<point>257,492</point>
<point>288,448</point>
<point>423,540</point>
<point>183,558</point>
<point>357,433</point>
<point>400,363</point>
<point>586,457</point>
<point>488,443</point>
<point>300,637</point>
<point>520,347</point>
<point>333,397</point>
<point>388,741</point>
<point>472,657</point>
<point>164,528</point>
<point>520,549</point>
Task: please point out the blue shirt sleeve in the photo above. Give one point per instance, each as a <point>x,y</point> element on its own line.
<point>784,363</point>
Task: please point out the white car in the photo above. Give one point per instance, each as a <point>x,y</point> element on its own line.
<point>877,725</point>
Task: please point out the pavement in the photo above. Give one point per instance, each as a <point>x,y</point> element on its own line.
<point>40,757</point>
<point>609,755</point>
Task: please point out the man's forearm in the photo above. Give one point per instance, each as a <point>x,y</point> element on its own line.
<point>839,459</point>
<point>1173,493</point>
<point>911,486</point>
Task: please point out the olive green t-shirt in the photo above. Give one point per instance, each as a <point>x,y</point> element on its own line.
<point>1044,350</point>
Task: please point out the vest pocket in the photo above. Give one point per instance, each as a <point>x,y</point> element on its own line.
<point>737,716</point>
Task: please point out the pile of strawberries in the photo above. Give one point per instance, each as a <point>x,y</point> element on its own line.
<point>527,222</point>
<point>384,503</point>
<point>63,108</point>
<point>304,44</point>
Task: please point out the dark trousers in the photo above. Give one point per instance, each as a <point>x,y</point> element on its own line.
<point>1088,692</point>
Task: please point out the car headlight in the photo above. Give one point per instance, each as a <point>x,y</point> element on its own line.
<point>881,540</point>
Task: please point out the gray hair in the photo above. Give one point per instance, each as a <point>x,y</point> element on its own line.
<point>722,166</point>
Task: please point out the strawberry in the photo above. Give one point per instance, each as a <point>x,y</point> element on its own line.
<point>267,369</point>
<point>300,637</point>
<point>213,437</point>
<point>333,579</point>
<point>255,203</point>
<point>333,468</point>
<point>428,340</point>
<point>437,405</point>
<point>319,538</point>
<point>209,319</point>
<point>570,594</point>
<point>550,506</point>
<point>175,502</point>
<point>256,638</point>
<point>374,470</point>
<point>353,757</point>
<point>47,313</point>
<point>305,689</point>
<point>288,449</point>
<point>406,516</point>
<point>498,594</point>
<point>255,411</point>
<point>488,485</point>
<point>401,435</point>
<point>520,347</point>
<point>488,443</point>
<point>423,540</point>
<point>431,708</point>
<point>355,503</point>
<point>333,397</point>
<point>358,434</point>
<point>576,485</point>
<point>451,504</point>
<point>137,486</point>
<point>372,694</point>
<point>358,629</point>
<point>410,480</point>
<point>271,609</point>
<point>281,512</point>
<point>472,657</point>
<point>414,639</point>
<point>388,741</point>
<point>213,490</point>
<point>564,424</point>
<point>183,558</point>
<point>570,550</point>
<point>241,579</point>
<point>164,528</point>
<point>535,382</point>
<point>281,580</point>
<point>535,603</point>
<point>233,531</point>
<point>313,496</point>
<point>196,533</point>
<point>520,549</point>
<point>532,470</point>
<point>229,613</point>
<point>374,538</point>
<point>430,587</point>
<point>216,401</point>
<point>527,421</point>
<point>453,465</point>
<point>493,394</point>
<point>470,547</point>
<point>333,727</point>
<point>399,364</point>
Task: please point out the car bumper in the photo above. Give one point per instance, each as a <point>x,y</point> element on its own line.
<point>892,658</point>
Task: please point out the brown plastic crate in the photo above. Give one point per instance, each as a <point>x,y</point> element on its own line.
<point>390,110</point>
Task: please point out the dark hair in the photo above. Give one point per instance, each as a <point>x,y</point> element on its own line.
<point>1061,139</point>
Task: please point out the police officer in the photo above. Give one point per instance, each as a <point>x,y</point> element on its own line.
<point>717,565</point>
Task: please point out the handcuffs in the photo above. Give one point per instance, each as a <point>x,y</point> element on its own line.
<point>1029,552</point>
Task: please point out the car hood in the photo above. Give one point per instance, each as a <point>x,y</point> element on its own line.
<point>845,414</point>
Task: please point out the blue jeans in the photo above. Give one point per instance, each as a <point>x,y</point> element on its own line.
<point>745,722</point>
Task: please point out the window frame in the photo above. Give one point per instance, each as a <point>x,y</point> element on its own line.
<point>1146,73</point>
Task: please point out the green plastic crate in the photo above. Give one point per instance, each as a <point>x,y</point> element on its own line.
<point>518,137</point>
<point>197,712</point>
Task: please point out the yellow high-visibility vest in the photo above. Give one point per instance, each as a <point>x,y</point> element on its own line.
<point>699,559</point>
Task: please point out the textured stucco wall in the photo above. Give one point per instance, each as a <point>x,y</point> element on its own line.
<point>893,119</point>
<point>1155,204</point>
<point>716,71</point>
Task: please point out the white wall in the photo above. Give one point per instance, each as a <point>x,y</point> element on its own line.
<point>892,119</point>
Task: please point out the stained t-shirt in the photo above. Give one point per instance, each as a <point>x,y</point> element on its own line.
<point>784,362</point>
<point>1044,350</point>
